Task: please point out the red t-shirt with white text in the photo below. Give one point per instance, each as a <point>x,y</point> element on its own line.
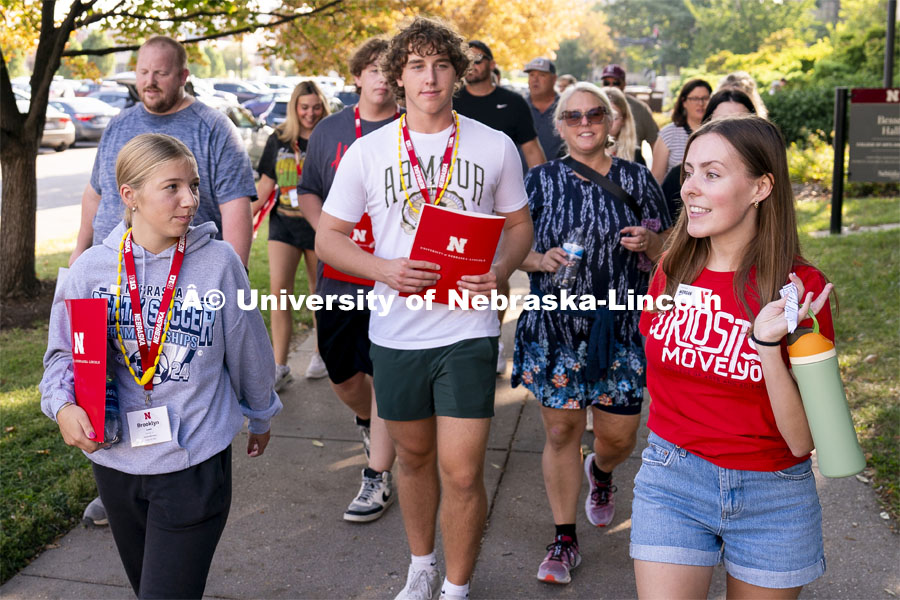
<point>705,378</point>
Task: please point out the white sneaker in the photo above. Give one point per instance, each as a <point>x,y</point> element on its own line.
<point>282,377</point>
<point>95,514</point>
<point>501,360</point>
<point>424,584</point>
<point>316,368</point>
<point>374,497</point>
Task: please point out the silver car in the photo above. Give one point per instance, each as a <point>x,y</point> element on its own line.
<point>89,115</point>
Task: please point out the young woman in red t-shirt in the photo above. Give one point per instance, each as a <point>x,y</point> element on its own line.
<point>726,475</point>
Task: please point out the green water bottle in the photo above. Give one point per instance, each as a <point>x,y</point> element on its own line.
<point>815,366</point>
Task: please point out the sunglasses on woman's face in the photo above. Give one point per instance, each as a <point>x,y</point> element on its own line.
<point>573,118</point>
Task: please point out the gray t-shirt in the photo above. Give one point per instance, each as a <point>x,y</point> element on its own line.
<point>548,136</point>
<point>645,127</point>
<point>225,171</point>
<point>327,144</point>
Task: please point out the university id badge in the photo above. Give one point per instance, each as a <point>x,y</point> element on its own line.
<point>149,426</point>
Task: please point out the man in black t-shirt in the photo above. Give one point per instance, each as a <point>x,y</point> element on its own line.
<point>497,107</point>
<point>501,109</point>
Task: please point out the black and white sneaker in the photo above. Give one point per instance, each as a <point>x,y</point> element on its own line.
<point>375,495</point>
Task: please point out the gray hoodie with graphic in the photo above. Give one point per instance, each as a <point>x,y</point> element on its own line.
<point>216,368</point>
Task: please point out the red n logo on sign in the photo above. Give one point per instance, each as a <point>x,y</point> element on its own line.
<point>147,416</point>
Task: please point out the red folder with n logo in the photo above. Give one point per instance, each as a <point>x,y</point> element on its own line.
<point>87,318</point>
<point>463,243</point>
<point>362,235</point>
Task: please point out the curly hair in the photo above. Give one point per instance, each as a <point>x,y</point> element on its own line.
<point>425,37</point>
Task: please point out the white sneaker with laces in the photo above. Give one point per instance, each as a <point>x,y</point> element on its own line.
<point>316,368</point>
<point>424,584</point>
<point>282,377</point>
<point>374,497</point>
<point>501,360</point>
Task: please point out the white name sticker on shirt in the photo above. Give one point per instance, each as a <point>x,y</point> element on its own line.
<point>292,196</point>
<point>691,296</point>
<point>149,426</point>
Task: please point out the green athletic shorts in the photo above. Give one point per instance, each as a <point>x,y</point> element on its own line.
<point>450,381</point>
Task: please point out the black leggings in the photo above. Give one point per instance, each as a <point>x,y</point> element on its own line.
<point>167,526</point>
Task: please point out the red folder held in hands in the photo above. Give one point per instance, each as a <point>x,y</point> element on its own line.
<point>87,318</point>
<point>463,243</point>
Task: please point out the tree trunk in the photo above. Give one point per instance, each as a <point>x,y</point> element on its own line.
<point>17,219</point>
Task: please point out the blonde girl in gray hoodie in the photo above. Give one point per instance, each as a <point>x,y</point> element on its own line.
<point>167,492</point>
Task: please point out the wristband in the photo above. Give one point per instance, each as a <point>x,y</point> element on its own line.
<point>762,343</point>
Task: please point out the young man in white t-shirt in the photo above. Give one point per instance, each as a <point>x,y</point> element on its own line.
<point>434,369</point>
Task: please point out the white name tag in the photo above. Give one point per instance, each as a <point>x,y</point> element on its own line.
<point>691,295</point>
<point>149,426</point>
<point>292,196</point>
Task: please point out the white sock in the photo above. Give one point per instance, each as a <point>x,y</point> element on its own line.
<point>428,562</point>
<point>456,590</point>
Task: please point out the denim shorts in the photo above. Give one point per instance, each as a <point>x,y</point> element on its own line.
<point>765,525</point>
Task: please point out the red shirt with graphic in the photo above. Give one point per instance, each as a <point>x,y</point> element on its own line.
<point>705,378</point>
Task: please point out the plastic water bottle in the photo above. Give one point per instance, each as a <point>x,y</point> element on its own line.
<point>112,427</point>
<point>574,249</point>
<point>815,366</point>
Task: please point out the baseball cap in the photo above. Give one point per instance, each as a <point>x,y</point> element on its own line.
<point>483,47</point>
<point>613,71</point>
<point>541,64</point>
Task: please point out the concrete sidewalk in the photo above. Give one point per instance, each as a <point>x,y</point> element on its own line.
<point>286,538</point>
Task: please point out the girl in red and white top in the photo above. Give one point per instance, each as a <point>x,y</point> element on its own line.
<point>727,472</point>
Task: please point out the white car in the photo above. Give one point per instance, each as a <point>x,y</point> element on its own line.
<point>59,131</point>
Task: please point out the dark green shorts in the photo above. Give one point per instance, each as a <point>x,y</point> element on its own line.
<point>450,381</point>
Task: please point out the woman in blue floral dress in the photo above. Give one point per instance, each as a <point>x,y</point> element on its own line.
<point>571,360</point>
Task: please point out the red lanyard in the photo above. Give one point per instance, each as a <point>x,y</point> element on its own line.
<point>358,121</point>
<point>153,348</point>
<point>443,179</point>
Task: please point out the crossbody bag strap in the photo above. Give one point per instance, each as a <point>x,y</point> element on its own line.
<point>606,183</point>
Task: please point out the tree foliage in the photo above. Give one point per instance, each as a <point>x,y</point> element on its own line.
<point>38,25</point>
<point>590,50</point>
<point>652,34</point>
<point>516,30</point>
<point>741,26</point>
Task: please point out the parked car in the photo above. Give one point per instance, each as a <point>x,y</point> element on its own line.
<point>89,115</point>
<point>202,89</point>
<point>347,97</point>
<point>242,89</point>
<point>119,97</point>
<point>59,132</point>
<point>261,104</point>
<point>277,112</point>
<point>253,133</point>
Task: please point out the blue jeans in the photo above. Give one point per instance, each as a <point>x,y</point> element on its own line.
<point>765,525</point>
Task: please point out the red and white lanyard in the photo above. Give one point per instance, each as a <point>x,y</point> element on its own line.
<point>150,351</point>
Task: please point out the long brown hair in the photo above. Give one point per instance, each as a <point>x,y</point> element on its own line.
<point>775,249</point>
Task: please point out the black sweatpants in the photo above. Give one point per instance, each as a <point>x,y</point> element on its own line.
<point>166,527</point>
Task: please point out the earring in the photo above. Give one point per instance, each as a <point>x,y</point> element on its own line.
<point>756,204</point>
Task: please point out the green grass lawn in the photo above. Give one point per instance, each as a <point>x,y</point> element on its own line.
<point>45,485</point>
<point>865,269</point>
